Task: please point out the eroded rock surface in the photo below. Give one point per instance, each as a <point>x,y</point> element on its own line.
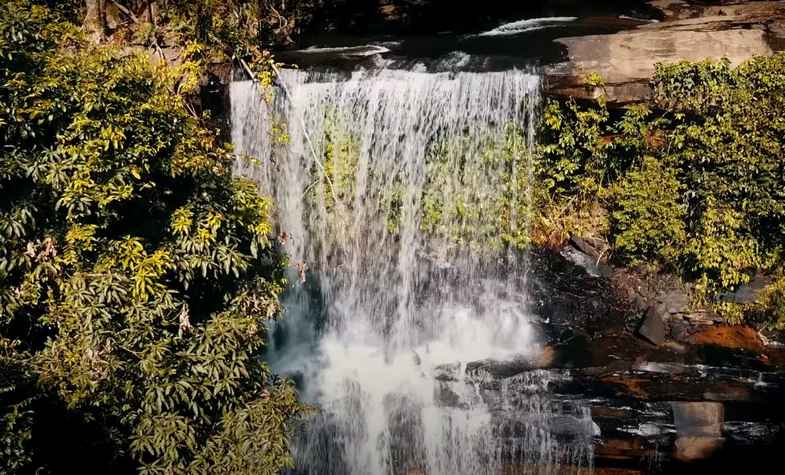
<point>626,60</point>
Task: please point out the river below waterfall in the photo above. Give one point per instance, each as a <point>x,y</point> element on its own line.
<point>418,323</point>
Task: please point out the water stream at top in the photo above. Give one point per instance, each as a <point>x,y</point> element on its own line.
<point>405,213</point>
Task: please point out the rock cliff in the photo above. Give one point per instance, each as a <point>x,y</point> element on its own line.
<point>688,31</point>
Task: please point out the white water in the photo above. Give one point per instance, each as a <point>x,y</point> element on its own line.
<point>367,50</point>
<point>532,24</point>
<point>395,302</point>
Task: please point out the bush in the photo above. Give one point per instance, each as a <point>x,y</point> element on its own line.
<point>707,197</point>
<point>136,273</point>
<point>648,213</point>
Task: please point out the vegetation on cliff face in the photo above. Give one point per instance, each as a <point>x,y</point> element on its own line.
<point>693,181</point>
<point>136,273</point>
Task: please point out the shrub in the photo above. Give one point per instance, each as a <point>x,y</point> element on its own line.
<point>694,179</point>
<point>136,273</point>
<point>648,213</point>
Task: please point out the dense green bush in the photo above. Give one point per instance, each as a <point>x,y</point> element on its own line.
<point>648,217</point>
<point>573,156</point>
<point>136,273</point>
<point>694,180</point>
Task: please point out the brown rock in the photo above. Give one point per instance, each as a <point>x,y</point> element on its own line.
<point>628,386</point>
<point>585,246</point>
<point>689,449</point>
<point>737,337</point>
<point>621,449</point>
<point>626,60</point>
<point>699,429</point>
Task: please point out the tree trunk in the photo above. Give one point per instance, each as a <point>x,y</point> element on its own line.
<point>95,19</point>
<point>150,12</point>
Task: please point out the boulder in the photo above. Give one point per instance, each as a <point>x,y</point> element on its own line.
<point>735,337</point>
<point>585,246</point>
<point>653,326</point>
<point>675,301</point>
<point>698,428</point>
<point>750,292</point>
<point>581,259</point>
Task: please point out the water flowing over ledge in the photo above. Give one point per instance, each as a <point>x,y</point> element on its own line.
<point>523,26</point>
<point>404,210</point>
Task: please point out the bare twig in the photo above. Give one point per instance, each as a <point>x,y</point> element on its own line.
<point>126,11</point>
<point>247,69</point>
<point>302,124</point>
<point>135,19</point>
<point>159,50</point>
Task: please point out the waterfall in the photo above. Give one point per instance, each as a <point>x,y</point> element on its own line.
<point>403,201</point>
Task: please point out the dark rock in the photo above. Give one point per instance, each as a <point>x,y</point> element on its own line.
<point>681,330</point>
<point>446,397</point>
<point>498,369</point>
<point>653,326</point>
<point>581,259</point>
<point>675,301</point>
<point>342,57</point>
<point>585,247</point>
<point>564,297</point>
<point>568,425</point>
<point>748,433</point>
<point>748,293</point>
<point>448,372</point>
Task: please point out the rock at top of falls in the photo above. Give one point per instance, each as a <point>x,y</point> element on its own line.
<point>404,198</point>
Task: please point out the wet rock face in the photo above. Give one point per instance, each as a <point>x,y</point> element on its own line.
<point>651,417</point>
<point>709,400</point>
<point>689,31</point>
<point>699,429</point>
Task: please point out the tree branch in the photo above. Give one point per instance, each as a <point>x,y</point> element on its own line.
<point>126,11</point>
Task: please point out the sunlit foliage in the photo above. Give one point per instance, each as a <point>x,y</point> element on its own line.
<point>136,273</point>
<point>694,179</point>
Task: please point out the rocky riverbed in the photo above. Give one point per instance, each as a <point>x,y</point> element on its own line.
<point>699,394</point>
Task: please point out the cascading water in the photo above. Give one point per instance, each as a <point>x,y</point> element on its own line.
<point>402,198</point>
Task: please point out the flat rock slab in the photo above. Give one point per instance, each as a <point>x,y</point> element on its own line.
<point>729,336</point>
<point>626,60</point>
